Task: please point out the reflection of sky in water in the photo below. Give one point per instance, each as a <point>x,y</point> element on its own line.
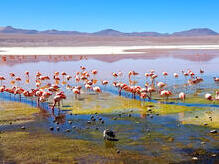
<point>171,65</point>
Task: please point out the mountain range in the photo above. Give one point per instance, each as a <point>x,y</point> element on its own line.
<point>110,32</point>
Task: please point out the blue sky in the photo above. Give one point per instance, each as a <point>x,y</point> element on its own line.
<point>123,15</point>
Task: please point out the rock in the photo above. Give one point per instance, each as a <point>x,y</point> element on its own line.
<point>114,118</point>
<point>70,122</point>
<point>57,128</point>
<point>213,155</point>
<point>195,158</point>
<point>213,131</point>
<point>109,135</point>
<point>51,128</point>
<point>73,127</point>
<point>23,127</point>
<point>67,130</point>
<point>203,143</point>
<point>88,122</point>
<point>151,116</point>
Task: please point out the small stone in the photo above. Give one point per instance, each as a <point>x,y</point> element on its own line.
<point>151,116</point>
<point>88,122</point>
<point>194,158</point>
<point>213,155</point>
<point>118,151</point>
<point>67,130</point>
<point>70,122</point>
<point>203,143</point>
<point>73,127</point>
<point>23,127</point>
<point>57,128</point>
<point>51,128</point>
<point>213,131</point>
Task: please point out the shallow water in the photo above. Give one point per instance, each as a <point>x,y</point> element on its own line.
<point>172,135</point>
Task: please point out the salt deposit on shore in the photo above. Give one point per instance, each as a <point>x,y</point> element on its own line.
<point>95,50</point>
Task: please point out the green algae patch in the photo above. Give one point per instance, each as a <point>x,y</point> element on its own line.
<point>208,118</point>
<point>107,104</point>
<point>25,147</point>
<point>13,112</point>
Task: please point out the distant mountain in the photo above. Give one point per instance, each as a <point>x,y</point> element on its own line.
<point>9,29</point>
<point>196,32</point>
<point>109,32</point>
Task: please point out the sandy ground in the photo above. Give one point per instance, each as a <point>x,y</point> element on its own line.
<point>98,50</point>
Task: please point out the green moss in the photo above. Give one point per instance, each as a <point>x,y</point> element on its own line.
<point>116,104</point>
<point>16,112</point>
<point>25,147</point>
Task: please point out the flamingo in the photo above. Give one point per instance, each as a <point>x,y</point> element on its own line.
<point>76,91</point>
<point>175,75</point>
<point>58,97</point>
<point>216,79</point>
<point>182,96</point>
<point>165,74</point>
<point>208,96</point>
<point>2,78</point>
<point>165,93</point>
<point>97,89</point>
<point>161,85</point>
<point>217,95</point>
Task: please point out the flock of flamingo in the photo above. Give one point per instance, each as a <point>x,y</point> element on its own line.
<point>87,80</point>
